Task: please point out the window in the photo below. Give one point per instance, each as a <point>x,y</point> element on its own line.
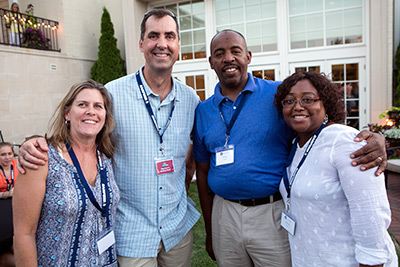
<point>316,23</point>
<point>249,17</point>
<point>191,21</point>
<point>347,77</point>
<point>197,83</point>
<point>264,74</point>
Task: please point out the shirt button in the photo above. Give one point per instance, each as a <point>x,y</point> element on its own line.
<point>160,208</point>
<point>160,227</point>
<point>159,129</point>
<point>160,188</point>
<point>159,109</point>
<point>234,107</point>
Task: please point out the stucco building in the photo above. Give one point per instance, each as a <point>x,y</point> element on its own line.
<point>352,41</point>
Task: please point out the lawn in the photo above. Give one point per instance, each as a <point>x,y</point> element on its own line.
<point>200,257</point>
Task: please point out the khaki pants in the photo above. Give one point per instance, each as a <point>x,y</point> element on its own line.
<point>178,256</point>
<point>249,236</point>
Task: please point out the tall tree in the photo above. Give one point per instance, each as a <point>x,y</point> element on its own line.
<point>109,65</point>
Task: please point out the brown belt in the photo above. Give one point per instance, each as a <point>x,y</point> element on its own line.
<point>257,201</point>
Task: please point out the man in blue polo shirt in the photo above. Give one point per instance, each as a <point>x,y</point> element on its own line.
<point>240,147</point>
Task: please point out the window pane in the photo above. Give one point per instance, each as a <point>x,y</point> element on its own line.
<point>198,7</point>
<point>190,81</point>
<point>269,75</point>
<point>222,17</point>
<point>314,5</point>
<point>185,9</point>
<point>257,74</point>
<point>268,10</point>
<point>268,28</point>
<point>254,44</point>
<point>298,40</point>
<point>331,4</point>
<point>173,9</point>
<point>300,69</point>
<point>187,52</point>
<point>252,2</point>
<point>200,51</point>
<point>235,3</point>
<point>198,21</point>
<point>315,39</point>
<point>353,17</point>
<point>296,7</point>
<point>269,43</point>
<point>185,23</point>
<point>200,82</point>
<point>334,37</point>
<point>353,35</point>
<point>315,22</point>
<point>253,29</point>
<point>238,27</point>
<point>338,72</point>
<point>199,36</point>
<point>202,95</point>
<point>351,72</point>
<point>352,3</point>
<point>186,38</point>
<point>221,4</point>
<point>236,15</point>
<point>314,68</point>
<point>297,24</point>
<point>334,20</point>
<point>253,13</point>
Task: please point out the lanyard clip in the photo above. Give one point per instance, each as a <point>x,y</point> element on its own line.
<point>288,204</point>
<point>162,149</point>
<point>226,140</point>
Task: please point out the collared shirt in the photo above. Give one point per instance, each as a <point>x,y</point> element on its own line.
<point>260,137</point>
<point>152,207</point>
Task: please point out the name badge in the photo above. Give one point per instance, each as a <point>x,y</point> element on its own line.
<point>106,240</point>
<point>288,222</point>
<point>224,155</point>
<point>164,165</point>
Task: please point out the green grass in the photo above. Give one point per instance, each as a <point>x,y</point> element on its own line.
<point>200,257</point>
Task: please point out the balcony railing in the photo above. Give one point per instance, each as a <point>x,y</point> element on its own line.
<point>24,30</point>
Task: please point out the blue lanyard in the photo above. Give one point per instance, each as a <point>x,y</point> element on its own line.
<point>288,183</point>
<point>105,191</point>
<point>150,111</point>
<point>10,184</point>
<point>234,117</point>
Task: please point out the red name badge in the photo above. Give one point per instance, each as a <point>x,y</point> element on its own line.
<point>164,166</point>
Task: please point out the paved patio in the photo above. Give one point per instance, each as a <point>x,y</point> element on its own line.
<point>394,199</point>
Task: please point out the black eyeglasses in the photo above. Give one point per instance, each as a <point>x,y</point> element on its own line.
<point>304,102</point>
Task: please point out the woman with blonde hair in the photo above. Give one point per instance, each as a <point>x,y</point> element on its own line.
<point>64,211</point>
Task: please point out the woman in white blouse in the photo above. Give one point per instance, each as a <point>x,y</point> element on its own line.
<point>336,215</point>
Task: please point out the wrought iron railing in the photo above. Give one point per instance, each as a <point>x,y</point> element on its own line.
<point>25,30</point>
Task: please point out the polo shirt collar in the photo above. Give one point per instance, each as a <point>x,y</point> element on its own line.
<point>250,87</point>
<point>170,97</point>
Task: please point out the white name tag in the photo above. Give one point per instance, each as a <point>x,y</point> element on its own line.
<point>288,223</point>
<point>224,155</point>
<point>106,241</point>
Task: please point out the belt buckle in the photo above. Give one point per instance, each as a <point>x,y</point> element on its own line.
<point>254,202</point>
<point>240,202</point>
<point>271,198</point>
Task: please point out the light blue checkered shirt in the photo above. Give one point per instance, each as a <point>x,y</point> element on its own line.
<point>152,207</point>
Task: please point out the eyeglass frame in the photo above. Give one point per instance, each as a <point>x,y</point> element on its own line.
<point>300,101</point>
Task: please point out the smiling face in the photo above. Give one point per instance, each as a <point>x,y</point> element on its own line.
<point>229,59</point>
<point>160,44</point>
<point>304,120</point>
<point>6,156</point>
<point>86,115</point>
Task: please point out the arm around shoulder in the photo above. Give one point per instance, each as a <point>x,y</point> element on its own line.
<point>28,198</point>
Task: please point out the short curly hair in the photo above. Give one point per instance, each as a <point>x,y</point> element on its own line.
<point>327,90</point>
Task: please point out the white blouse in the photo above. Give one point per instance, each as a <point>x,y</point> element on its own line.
<point>341,213</point>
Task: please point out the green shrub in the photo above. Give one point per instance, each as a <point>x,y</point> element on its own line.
<point>109,65</point>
